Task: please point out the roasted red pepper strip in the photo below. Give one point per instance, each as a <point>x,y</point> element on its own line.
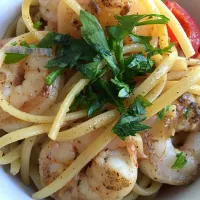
<point>187,22</point>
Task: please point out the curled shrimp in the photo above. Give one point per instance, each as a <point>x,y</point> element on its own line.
<point>110,175</point>
<point>58,15</point>
<point>161,152</point>
<point>23,86</point>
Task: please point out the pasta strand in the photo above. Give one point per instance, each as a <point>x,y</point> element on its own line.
<point>177,29</point>
<point>155,77</point>
<point>25,158</point>
<point>74,5</point>
<point>161,30</point>
<point>27,19</point>
<point>171,95</point>
<point>157,90</point>
<point>155,186</point>
<point>30,117</point>
<point>11,156</point>
<point>88,126</point>
<point>72,81</point>
<point>15,167</point>
<point>64,108</point>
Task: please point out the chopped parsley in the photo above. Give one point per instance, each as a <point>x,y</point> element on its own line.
<point>37,25</point>
<point>130,122</point>
<point>180,162</point>
<point>99,57</point>
<point>11,58</point>
<point>93,34</point>
<point>162,113</point>
<point>14,43</point>
<point>14,58</point>
<point>187,113</point>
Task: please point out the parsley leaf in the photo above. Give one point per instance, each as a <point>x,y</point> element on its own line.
<point>49,40</point>
<point>139,63</point>
<point>145,40</point>
<point>128,22</point>
<point>70,53</point>
<point>129,125</point>
<point>64,61</point>
<point>90,101</point>
<point>125,27</point>
<point>14,58</point>
<point>97,104</point>
<point>53,75</point>
<point>162,113</point>
<point>37,25</point>
<point>93,34</point>
<point>110,92</point>
<point>139,105</point>
<point>187,112</point>
<point>124,89</point>
<point>116,36</point>
<point>14,43</point>
<point>11,58</point>
<point>130,122</point>
<point>180,162</point>
<point>91,70</point>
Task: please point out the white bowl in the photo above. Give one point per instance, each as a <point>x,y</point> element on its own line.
<point>11,188</point>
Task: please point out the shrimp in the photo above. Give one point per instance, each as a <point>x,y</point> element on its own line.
<point>116,175</point>
<point>58,14</point>
<point>161,151</point>
<point>23,86</point>
<point>48,10</point>
<point>110,175</point>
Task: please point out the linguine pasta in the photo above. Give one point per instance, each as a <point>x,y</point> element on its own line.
<point>173,76</point>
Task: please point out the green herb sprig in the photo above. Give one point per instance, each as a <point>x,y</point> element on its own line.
<point>99,57</point>
<point>180,162</point>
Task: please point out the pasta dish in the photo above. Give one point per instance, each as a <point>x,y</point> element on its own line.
<point>99,99</point>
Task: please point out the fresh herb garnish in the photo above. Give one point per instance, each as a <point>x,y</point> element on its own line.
<point>180,162</point>
<point>37,25</point>
<point>90,100</point>
<point>24,44</point>
<point>162,113</point>
<point>128,22</point>
<point>124,89</point>
<point>187,113</point>
<point>149,49</point>
<point>14,58</point>
<point>91,70</point>
<point>53,75</point>
<point>14,43</point>
<point>130,122</point>
<point>93,34</point>
<point>11,58</point>
<point>99,57</point>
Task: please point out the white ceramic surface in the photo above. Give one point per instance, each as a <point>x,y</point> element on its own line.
<point>9,10</point>
<point>12,189</point>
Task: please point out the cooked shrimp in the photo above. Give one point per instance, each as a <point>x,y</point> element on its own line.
<point>186,103</point>
<point>57,13</point>
<point>111,174</point>
<point>48,10</point>
<point>161,151</point>
<point>23,86</point>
